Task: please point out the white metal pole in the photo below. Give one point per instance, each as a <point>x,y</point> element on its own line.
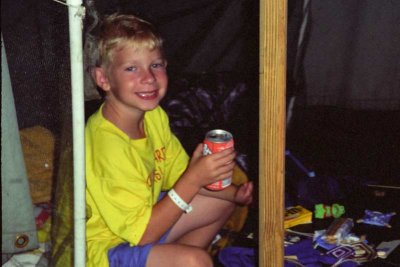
<point>76,12</point>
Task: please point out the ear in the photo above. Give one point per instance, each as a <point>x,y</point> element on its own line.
<point>100,76</point>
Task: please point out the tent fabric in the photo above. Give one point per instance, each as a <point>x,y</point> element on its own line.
<point>62,228</point>
<point>352,56</point>
<point>18,229</point>
<point>200,36</point>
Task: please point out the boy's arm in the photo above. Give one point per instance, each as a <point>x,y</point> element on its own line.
<point>241,195</point>
<point>201,171</point>
<point>227,193</point>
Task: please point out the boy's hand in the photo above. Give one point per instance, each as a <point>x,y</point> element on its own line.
<point>204,170</point>
<point>244,194</point>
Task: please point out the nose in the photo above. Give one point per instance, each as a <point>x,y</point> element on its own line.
<point>148,76</point>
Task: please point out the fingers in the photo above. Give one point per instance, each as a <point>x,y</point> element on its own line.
<point>250,187</point>
<point>228,154</point>
<point>245,194</point>
<point>224,153</point>
<point>211,168</point>
<point>224,171</point>
<point>223,157</point>
<point>198,152</point>
<point>249,193</point>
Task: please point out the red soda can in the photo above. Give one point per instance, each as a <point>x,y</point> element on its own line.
<point>215,141</point>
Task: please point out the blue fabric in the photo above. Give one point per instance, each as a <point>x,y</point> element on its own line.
<point>305,253</point>
<point>237,257</point>
<point>124,255</point>
<point>310,257</point>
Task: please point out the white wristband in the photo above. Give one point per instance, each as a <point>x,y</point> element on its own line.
<point>179,201</point>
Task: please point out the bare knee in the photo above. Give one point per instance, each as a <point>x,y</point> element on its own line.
<point>175,255</point>
<point>198,258</point>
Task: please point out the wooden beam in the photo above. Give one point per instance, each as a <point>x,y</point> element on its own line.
<point>273,20</point>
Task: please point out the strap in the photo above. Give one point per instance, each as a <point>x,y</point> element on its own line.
<point>179,201</point>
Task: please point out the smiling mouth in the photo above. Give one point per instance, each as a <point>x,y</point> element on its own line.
<point>148,95</point>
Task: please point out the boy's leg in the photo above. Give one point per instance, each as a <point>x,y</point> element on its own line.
<point>199,227</point>
<point>176,255</point>
<point>188,238</point>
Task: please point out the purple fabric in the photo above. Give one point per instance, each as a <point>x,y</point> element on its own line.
<point>237,257</point>
<point>124,255</point>
<point>310,257</point>
<point>305,253</point>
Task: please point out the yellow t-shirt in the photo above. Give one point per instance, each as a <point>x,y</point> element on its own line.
<point>124,178</point>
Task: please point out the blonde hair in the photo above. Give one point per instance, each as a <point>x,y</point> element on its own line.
<point>119,30</point>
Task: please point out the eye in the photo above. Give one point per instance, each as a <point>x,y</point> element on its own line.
<point>131,68</point>
<point>158,65</point>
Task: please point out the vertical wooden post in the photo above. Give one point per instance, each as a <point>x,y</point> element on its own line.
<point>273,14</point>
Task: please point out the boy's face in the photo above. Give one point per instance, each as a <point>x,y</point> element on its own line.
<point>135,79</point>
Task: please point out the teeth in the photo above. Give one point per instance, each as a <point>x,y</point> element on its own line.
<point>146,94</point>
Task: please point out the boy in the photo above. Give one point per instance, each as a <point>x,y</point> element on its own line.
<point>132,157</point>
